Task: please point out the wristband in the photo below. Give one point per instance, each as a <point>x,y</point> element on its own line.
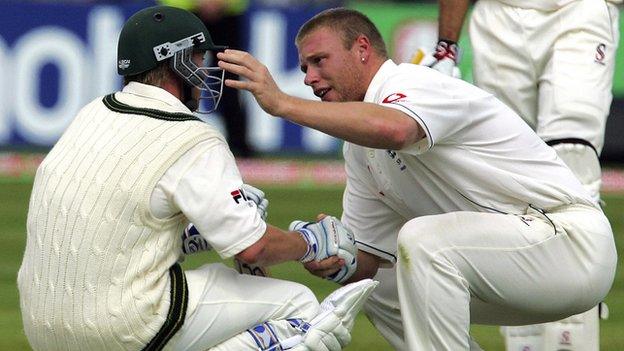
<point>310,240</point>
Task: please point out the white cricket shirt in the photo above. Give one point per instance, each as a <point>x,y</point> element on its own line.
<point>478,155</point>
<point>204,184</point>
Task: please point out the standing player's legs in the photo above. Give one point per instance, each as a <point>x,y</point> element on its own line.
<point>465,267</point>
<point>575,89</point>
<point>575,73</point>
<point>501,64</point>
<point>222,303</point>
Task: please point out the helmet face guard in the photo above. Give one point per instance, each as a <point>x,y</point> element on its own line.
<point>208,79</point>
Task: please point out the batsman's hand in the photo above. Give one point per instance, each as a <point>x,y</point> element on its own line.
<point>327,238</point>
<point>193,242</point>
<point>444,59</point>
<point>256,79</point>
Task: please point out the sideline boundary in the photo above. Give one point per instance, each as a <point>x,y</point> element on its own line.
<point>273,172</point>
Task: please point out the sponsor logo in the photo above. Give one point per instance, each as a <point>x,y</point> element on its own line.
<point>123,64</point>
<point>601,53</point>
<point>394,97</point>
<point>565,338</point>
<point>526,220</point>
<point>238,194</point>
<point>393,155</point>
<point>167,50</point>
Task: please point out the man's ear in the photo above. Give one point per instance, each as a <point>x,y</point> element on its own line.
<point>363,47</point>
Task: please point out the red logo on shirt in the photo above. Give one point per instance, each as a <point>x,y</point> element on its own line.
<point>238,194</point>
<point>394,97</point>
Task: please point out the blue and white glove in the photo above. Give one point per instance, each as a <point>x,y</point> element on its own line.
<point>325,238</point>
<point>444,59</point>
<point>257,196</point>
<point>193,242</point>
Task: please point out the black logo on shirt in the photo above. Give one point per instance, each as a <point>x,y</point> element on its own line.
<point>601,53</point>
<point>238,194</point>
<point>393,155</point>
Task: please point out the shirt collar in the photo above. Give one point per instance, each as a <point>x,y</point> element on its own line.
<point>386,69</point>
<point>149,96</point>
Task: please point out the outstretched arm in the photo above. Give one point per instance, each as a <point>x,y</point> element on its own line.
<point>365,124</point>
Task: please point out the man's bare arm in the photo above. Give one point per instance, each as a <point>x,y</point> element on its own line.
<point>362,123</point>
<point>451,18</point>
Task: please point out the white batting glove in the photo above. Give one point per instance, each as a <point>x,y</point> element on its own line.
<point>325,238</point>
<point>193,242</point>
<point>444,59</point>
<point>257,196</point>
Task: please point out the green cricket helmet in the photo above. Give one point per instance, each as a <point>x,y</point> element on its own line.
<point>159,33</point>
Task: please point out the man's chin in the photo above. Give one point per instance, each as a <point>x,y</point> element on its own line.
<point>329,97</point>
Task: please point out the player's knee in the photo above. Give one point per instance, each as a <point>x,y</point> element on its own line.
<point>418,234</point>
<point>303,301</point>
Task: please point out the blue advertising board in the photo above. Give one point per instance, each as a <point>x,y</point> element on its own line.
<point>55,57</point>
<point>271,36</point>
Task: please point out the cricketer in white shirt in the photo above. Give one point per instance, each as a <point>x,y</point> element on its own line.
<point>484,223</point>
<point>514,231</point>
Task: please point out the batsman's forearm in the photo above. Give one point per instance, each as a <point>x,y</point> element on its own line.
<point>361,123</point>
<point>275,246</point>
<point>451,18</point>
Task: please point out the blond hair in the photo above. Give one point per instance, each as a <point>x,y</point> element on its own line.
<point>349,23</point>
<point>156,76</point>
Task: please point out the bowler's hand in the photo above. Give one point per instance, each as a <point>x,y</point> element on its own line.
<point>257,79</point>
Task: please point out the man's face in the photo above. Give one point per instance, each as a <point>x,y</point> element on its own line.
<point>333,72</point>
<point>198,60</point>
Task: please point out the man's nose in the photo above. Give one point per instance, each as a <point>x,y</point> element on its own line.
<point>311,77</point>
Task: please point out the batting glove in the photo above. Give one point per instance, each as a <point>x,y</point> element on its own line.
<point>193,242</point>
<point>257,196</point>
<point>325,238</point>
<point>444,59</point>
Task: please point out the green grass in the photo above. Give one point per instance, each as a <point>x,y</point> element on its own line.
<point>285,205</point>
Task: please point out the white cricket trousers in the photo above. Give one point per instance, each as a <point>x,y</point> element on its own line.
<point>228,303</point>
<point>554,68</point>
<point>459,268</point>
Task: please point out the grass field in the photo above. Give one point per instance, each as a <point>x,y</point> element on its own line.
<point>285,205</point>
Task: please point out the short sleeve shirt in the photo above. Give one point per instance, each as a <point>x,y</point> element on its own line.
<point>478,155</point>
<point>205,185</point>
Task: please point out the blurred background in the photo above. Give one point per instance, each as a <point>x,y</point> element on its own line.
<point>55,56</point>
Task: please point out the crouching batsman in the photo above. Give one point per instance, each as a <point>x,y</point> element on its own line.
<point>482,221</point>
<point>134,168</point>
